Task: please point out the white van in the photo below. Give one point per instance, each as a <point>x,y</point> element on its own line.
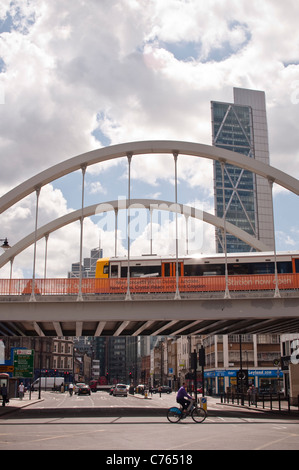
<point>48,383</point>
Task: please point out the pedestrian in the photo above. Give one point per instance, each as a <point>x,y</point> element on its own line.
<point>21,391</point>
<point>249,392</point>
<point>71,389</point>
<point>254,394</point>
<point>160,391</point>
<point>4,394</point>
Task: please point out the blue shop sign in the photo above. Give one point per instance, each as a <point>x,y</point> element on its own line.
<point>251,372</point>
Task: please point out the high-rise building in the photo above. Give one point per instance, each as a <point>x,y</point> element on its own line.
<point>88,269</point>
<point>242,127</point>
<point>112,356</point>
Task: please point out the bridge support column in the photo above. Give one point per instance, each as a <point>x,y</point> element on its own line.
<point>80,298</point>
<point>177,292</point>
<point>226,294</point>
<point>46,254</point>
<point>115,230</point>
<point>32,297</point>
<point>128,294</point>
<point>277,292</point>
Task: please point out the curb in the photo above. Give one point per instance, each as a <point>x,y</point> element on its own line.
<point>4,410</point>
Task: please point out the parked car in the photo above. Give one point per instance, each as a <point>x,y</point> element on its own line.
<point>120,389</point>
<point>82,389</point>
<point>164,389</point>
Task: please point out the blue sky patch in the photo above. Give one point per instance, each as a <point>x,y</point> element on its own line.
<point>183,50</point>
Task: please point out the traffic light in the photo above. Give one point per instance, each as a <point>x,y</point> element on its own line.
<point>194,360</point>
<point>201,357</point>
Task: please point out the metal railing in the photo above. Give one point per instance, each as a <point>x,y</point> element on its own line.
<point>187,284</point>
<point>271,402</point>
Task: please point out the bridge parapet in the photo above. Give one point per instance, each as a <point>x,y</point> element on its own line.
<point>209,286</point>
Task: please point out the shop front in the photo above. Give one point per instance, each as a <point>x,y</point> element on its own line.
<point>226,380</point>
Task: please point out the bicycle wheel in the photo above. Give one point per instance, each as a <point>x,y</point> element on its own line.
<point>198,415</point>
<point>174,415</point>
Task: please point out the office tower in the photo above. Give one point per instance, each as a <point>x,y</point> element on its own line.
<point>88,269</point>
<point>242,127</point>
<point>112,355</point>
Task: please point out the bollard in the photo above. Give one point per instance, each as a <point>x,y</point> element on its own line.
<point>203,403</point>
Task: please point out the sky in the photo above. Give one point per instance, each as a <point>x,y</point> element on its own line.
<point>79,75</point>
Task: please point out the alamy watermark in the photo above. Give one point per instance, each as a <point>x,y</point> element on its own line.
<point>295,354</point>
<point>154,221</point>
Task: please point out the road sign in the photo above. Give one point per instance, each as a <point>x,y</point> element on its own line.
<point>23,362</point>
<point>203,403</point>
<point>6,369</point>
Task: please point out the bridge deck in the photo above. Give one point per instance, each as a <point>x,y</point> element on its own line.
<point>148,315</point>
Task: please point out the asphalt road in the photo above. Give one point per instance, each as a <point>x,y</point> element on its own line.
<point>138,427</point>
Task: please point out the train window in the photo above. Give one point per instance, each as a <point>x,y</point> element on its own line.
<point>203,270</point>
<point>106,269</point>
<point>214,269</point>
<point>284,267</point>
<point>192,270</point>
<point>166,269</point>
<point>141,271</point>
<point>297,265</point>
<point>262,268</point>
<point>238,269</point>
<point>114,270</point>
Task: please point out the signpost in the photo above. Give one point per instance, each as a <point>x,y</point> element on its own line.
<point>23,361</point>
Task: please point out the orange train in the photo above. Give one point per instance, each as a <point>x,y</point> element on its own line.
<point>155,274</point>
<point>246,271</point>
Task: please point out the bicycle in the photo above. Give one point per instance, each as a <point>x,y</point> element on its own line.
<point>175,414</point>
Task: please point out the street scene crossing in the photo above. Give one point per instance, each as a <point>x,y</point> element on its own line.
<point>100,421</point>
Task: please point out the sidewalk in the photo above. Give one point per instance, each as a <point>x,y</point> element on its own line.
<point>16,403</point>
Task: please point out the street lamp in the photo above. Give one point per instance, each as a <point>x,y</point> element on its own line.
<point>5,244</point>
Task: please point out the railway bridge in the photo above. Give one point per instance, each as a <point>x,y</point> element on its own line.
<point>173,312</point>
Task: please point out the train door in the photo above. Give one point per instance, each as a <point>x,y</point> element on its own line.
<point>168,269</point>
<point>296,265</point>
<point>114,271</point>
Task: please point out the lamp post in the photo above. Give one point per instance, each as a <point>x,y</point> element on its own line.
<point>5,244</point>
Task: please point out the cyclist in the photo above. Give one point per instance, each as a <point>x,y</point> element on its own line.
<point>184,399</point>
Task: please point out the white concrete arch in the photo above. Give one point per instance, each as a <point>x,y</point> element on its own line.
<point>142,148</point>
<point>153,204</point>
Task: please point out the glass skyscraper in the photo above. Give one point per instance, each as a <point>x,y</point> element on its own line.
<point>242,127</point>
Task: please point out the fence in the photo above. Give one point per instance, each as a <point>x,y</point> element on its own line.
<point>272,402</point>
<point>149,285</point>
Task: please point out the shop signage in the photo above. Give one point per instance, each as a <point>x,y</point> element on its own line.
<point>251,372</point>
